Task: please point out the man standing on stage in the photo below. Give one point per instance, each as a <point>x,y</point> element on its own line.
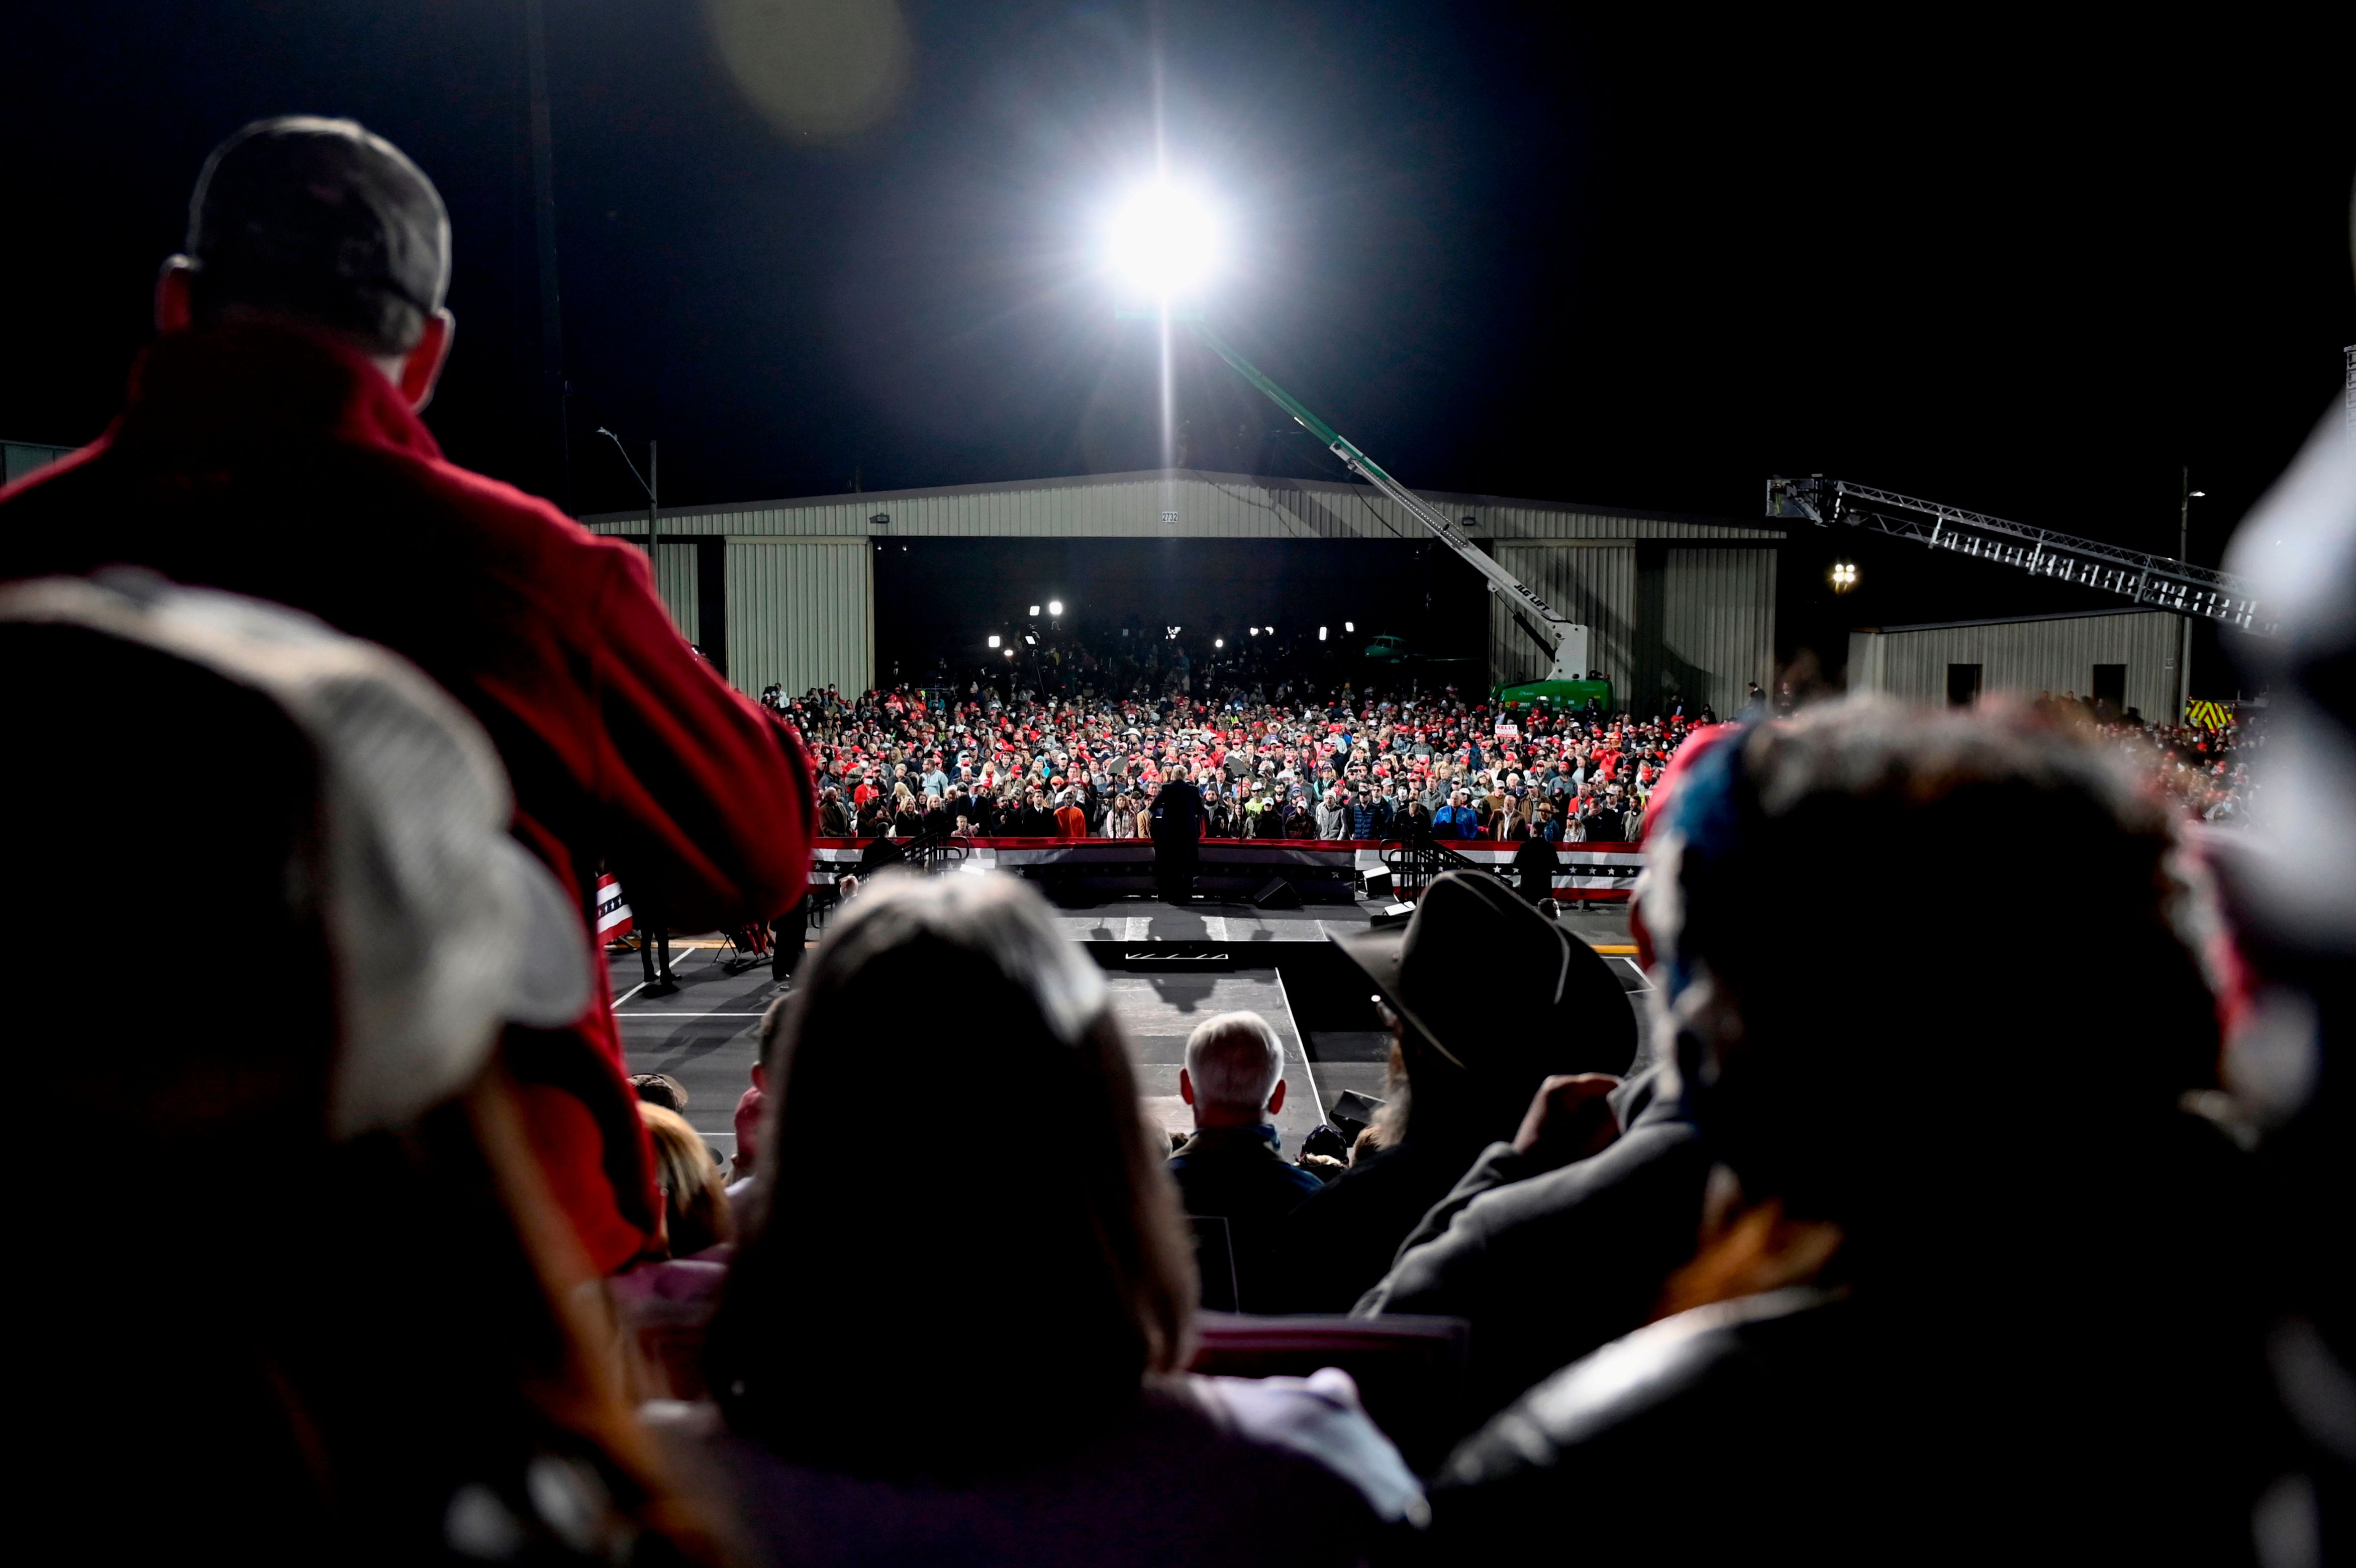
<point>1177,817</point>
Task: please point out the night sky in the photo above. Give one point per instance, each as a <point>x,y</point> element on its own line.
<point>1629,256</point>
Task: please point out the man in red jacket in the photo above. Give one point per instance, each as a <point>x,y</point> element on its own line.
<point>271,446</point>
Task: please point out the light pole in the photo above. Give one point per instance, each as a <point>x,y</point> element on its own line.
<point>654,941</point>
<point>646,482</point>
<point>2184,553</point>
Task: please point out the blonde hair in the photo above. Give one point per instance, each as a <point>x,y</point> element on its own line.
<point>694,1196</point>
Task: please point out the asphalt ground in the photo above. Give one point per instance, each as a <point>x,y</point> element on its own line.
<point>703,1035</point>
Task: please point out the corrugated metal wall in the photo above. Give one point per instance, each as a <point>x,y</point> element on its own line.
<point>1660,619</point>
<point>18,459</point>
<point>675,582</point>
<point>1718,629</point>
<point>2054,653</point>
<point>1704,626</point>
<point>801,613</point>
<point>1593,584</point>
<point>1209,506</point>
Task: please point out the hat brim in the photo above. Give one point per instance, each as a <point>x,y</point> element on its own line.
<point>1378,953</point>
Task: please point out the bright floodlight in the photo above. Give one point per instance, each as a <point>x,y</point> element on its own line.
<point>1035,609</point>
<point>1218,643</point>
<point>1349,626</point>
<point>1164,241</point>
<point>993,639</point>
<point>1054,606</point>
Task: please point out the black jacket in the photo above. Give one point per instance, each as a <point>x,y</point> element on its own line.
<point>1807,1425</point>
<point>1536,863</point>
<point>1340,1242</point>
<point>1238,1174</point>
<point>1548,1266</point>
<point>1177,817</point>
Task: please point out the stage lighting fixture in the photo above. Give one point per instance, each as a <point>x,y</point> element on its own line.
<point>1218,643</point>
<point>1035,609</point>
<point>1349,626</point>
<point>994,639</point>
<point>1321,634</point>
<point>1010,653</point>
<point>1029,640</point>
<point>1254,632</point>
<point>1163,241</point>
<point>1843,576</point>
<point>1054,606</point>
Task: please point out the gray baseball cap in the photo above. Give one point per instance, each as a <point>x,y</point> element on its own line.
<point>439,927</point>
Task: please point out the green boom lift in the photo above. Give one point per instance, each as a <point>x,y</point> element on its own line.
<point>1564,640</point>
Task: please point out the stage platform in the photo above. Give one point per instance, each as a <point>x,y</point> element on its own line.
<point>1170,968</point>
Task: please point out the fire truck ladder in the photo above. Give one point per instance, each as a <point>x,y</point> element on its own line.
<point>2155,580</point>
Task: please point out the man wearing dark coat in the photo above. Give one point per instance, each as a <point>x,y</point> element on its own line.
<point>1177,821</point>
<point>1535,862</point>
<point>1466,1061</point>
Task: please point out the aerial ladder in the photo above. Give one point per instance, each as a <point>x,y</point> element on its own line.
<point>2156,580</point>
<point>1563,639</point>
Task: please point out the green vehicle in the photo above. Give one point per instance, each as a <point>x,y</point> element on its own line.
<point>1560,695</point>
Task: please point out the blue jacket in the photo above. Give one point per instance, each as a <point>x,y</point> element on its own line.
<point>1455,822</point>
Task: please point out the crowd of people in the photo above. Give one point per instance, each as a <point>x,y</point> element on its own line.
<point>1897,1241</point>
<point>1332,765</point>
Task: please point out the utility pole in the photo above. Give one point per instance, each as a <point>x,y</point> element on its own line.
<point>646,482</point>
<point>2184,633</point>
<point>553,388</point>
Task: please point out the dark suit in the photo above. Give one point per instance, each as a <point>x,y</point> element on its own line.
<point>1177,822</point>
<point>1536,862</point>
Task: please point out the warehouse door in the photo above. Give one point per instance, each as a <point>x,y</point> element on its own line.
<point>2109,685</point>
<point>1963,685</point>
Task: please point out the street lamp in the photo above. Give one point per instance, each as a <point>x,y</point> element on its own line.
<point>646,483</point>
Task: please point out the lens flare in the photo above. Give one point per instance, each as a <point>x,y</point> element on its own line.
<point>1164,241</point>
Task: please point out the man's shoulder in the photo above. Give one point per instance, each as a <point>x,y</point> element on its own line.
<point>1658,1154</point>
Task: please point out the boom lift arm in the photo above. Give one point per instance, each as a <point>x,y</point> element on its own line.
<point>1564,640</point>
<point>2156,580</point>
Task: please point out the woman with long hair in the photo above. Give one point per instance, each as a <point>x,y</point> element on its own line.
<point>984,1364</point>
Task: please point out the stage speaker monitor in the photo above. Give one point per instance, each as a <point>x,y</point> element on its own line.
<point>1276,894</point>
<point>1377,884</point>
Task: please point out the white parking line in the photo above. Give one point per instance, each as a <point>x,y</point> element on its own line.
<point>690,1015</point>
